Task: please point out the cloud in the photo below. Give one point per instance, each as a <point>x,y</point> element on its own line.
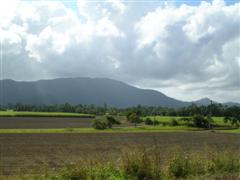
<point>185,51</point>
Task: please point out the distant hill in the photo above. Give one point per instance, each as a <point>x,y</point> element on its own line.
<point>207,101</point>
<point>97,91</point>
<point>204,102</point>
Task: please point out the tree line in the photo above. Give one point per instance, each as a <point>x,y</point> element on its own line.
<point>212,109</point>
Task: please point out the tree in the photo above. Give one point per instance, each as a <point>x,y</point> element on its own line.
<point>202,122</point>
<point>104,123</point>
<point>156,122</point>
<point>134,118</point>
<point>173,122</point>
<point>110,120</point>
<point>98,124</point>
<point>232,115</point>
<point>209,121</point>
<point>148,121</point>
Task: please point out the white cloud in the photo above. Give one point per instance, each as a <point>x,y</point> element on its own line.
<point>7,10</point>
<point>106,28</point>
<point>196,46</point>
<point>186,51</point>
<point>117,4</point>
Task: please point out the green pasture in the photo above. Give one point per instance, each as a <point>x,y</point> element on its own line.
<point>219,121</point>
<point>166,119</point>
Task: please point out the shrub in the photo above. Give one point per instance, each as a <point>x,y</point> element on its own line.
<point>226,162</point>
<point>202,122</point>
<point>140,165</point>
<point>99,124</point>
<point>110,120</point>
<point>179,166</point>
<point>156,122</point>
<point>173,122</point>
<point>148,121</point>
<point>134,118</point>
<point>186,120</point>
<point>164,123</point>
<point>146,164</point>
<point>235,122</point>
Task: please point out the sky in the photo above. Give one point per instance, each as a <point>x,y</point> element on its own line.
<point>185,49</point>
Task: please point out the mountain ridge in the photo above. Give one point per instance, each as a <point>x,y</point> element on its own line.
<point>85,90</point>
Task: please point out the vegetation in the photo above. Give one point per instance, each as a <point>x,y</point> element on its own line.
<point>232,115</point>
<point>135,164</point>
<point>217,110</point>
<point>148,121</point>
<point>105,123</point>
<point>98,124</point>
<point>41,114</point>
<point>146,163</point>
<point>134,117</point>
<point>202,122</point>
<point>174,122</point>
<point>103,130</point>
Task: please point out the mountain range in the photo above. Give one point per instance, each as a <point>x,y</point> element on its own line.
<point>97,91</point>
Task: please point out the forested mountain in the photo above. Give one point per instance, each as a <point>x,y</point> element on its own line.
<point>97,91</point>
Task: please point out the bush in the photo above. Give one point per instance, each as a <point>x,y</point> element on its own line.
<point>226,162</point>
<point>146,164</point>
<point>110,120</point>
<point>202,122</point>
<point>179,166</point>
<point>173,122</point>
<point>148,121</point>
<point>141,165</point>
<point>73,173</point>
<point>156,122</point>
<point>164,123</point>
<point>2,109</point>
<point>134,118</point>
<point>98,124</point>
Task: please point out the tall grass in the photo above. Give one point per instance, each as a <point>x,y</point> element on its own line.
<point>148,164</point>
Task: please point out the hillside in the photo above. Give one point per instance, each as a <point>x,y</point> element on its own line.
<point>82,91</point>
<point>97,91</point>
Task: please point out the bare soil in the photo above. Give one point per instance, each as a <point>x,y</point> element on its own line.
<point>26,152</point>
<point>44,122</point>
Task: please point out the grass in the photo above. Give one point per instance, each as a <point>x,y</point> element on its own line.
<point>92,130</point>
<point>166,119</point>
<point>41,114</point>
<point>140,164</point>
<point>230,130</point>
<point>114,130</point>
<point>219,121</point>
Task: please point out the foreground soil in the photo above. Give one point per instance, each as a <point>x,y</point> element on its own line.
<point>44,122</point>
<point>48,122</point>
<point>26,152</point>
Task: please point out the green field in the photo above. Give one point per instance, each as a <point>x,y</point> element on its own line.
<point>41,114</point>
<point>36,144</point>
<point>113,130</point>
<point>166,119</point>
<point>164,126</point>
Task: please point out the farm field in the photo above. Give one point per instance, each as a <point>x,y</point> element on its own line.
<point>217,120</point>
<point>26,152</point>
<point>41,114</point>
<point>44,122</point>
<point>32,144</point>
<point>78,123</point>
